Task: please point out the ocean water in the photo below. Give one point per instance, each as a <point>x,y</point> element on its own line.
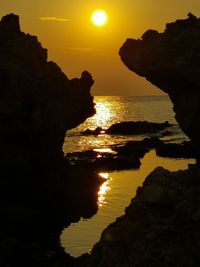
<point>113,109</point>
<point>119,187</point>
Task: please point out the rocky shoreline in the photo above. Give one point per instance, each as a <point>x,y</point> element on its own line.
<point>128,156</point>
<point>160,226</point>
<point>41,192</point>
<point>170,61</point>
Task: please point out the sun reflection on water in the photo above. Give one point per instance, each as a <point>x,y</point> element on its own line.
<point>104,150</point>
<point>107,112</point>
<point>103,189</point>
<point>103,111</point>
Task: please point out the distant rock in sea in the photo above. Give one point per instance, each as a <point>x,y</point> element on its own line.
<point>171,60</point>
<point>137,127</point>
<point>130,128</point>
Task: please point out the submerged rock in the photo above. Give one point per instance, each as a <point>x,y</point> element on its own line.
<point>171,60</point>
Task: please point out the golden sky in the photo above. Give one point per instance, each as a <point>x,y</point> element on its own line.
<point>75,44</point>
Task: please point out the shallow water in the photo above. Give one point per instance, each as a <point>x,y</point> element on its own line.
<point>115,195</point>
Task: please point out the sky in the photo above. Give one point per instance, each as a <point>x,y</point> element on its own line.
<point>75,44</point>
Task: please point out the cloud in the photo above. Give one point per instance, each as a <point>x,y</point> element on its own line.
<point>53,19</point>
<point>86,49</point>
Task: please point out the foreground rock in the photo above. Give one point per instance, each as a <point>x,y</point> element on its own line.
<point>159,228</point>
<point>170,60</point>
<point>39,192</point>
<point>38,103</point>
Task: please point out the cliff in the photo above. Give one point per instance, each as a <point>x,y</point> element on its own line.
<point>39,192</point>
<point>38,103</point>
<point>171,60</point>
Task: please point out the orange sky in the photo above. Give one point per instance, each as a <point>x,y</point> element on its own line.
<point>64,28</point>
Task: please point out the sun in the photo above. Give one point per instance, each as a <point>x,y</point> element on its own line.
<point>99,18</point>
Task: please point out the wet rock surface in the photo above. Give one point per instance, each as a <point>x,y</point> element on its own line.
<point>170,60</point>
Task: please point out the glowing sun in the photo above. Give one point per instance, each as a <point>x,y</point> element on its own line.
<point>99,18</point>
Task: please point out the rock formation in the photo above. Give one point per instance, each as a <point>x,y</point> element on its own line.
<point>38,103</point>
<point>171,61</point>
<point>39,192</point>
<point>137,127</point>
<point>160,227</point>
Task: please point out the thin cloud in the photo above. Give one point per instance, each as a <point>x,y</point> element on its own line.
<point>84,49</point>
<point>53,19</point>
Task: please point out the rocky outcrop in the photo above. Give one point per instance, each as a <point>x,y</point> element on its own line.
<point>171,60</point>
<point>121,157</point>
<point>94,132</point>
<point>39,192</point>
<point>131,128</point>
<point>185,150</point>
<point>38,103</point>
<point>160,227</point>
<point>137,127</point>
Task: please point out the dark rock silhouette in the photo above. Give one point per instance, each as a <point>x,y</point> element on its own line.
<point>39,192</point>
<point>160,226</point>
<point>136,127</point>
<point>37,101</point>
<point>127,156</point>
<point>131,128</point>
<point>185,150</point>
<point>170,60</point>
<point>96,131</point>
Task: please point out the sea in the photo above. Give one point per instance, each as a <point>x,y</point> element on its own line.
<point>119,187</point>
